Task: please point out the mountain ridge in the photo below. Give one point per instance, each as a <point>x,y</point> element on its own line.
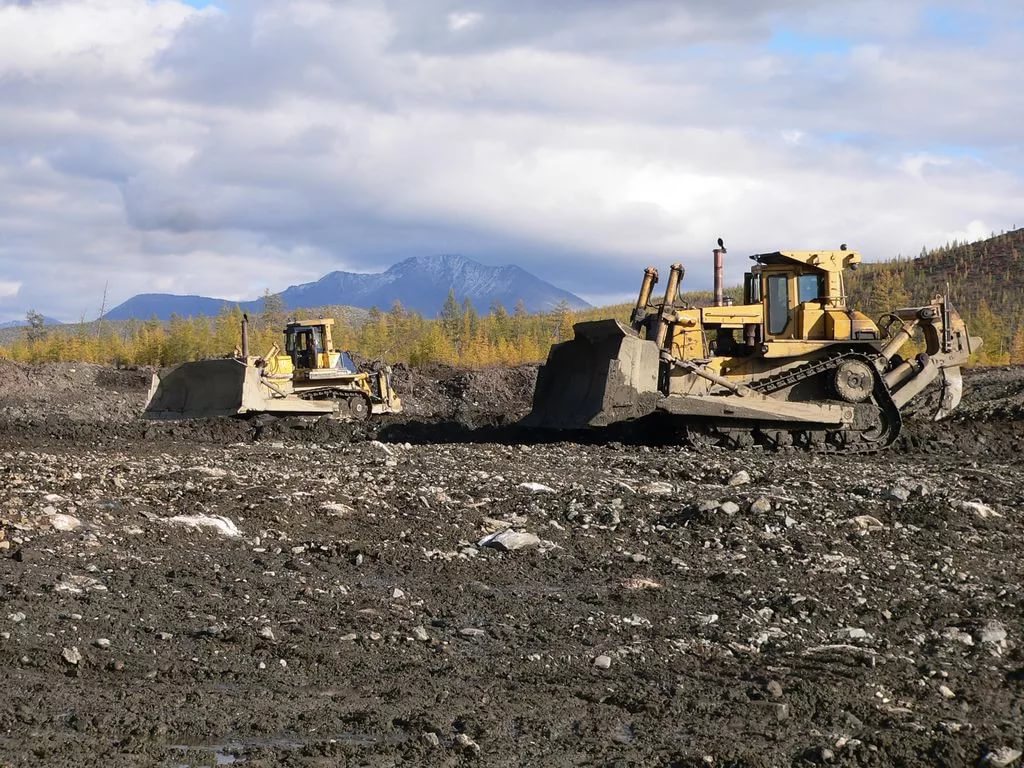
<point>420,283</point>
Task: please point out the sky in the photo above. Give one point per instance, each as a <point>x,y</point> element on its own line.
<point>224,148</point>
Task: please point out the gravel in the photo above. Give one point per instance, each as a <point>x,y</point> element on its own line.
<point>819,620</point>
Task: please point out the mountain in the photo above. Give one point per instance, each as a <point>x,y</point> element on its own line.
<point>420,283</point>
<point>162,305</point>
<point>24,323</point>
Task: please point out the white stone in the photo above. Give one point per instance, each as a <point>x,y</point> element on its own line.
<point>61,522</point>
<point>509,540</point>
<point>536,488</point>
<point>740,478</point>
<point>978,509</point>
<point>218,523</point>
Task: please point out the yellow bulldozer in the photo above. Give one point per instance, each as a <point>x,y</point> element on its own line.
<point>792,365</point>
<point>309,378</point>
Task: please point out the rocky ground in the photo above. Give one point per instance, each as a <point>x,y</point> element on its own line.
<point>443,588</point>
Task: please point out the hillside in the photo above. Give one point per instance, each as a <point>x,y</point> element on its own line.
<point>985,281</point>
<point>420,283</point>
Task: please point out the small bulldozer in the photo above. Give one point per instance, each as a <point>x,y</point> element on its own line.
<point>792,365</point>
<point>310,378</point>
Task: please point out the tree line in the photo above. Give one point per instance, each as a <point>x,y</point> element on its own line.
<point>458,335</point>
<point>984,279</point>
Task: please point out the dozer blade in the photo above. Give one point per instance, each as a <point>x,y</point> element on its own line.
<point>952,391</point>
<point>606,373</point>
<point>227,387</point>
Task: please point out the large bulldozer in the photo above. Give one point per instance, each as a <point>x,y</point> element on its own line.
<point>309,378</point>
<point>792,365</point>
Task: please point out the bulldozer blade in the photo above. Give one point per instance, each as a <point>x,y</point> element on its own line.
<point>203,389</point>
<point>605,374</point>
<point>952,391</point>
<point>227,387</point>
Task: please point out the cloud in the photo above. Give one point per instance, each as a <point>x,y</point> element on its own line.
<point>155,146</point>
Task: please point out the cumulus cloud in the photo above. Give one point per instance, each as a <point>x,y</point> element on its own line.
<point>151,146</point>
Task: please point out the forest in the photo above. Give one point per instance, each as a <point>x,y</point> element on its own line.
<point>984,280</point>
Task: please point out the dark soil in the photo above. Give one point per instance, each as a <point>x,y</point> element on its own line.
<point>842,611</point>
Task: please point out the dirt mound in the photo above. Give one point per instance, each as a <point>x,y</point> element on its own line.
<point>77,391</point>
<point>469,396</point>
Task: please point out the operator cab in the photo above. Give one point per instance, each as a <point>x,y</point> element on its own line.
<point>304,344</point>
<point>310,346</point>
<point>804,296</point>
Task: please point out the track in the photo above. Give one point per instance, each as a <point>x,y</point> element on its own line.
<point>869,438</point>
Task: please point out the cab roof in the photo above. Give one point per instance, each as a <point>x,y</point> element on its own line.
<point>827,261</point>
<point>309,323</point>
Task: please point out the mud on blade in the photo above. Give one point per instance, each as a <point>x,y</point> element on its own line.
<point>606,373</point>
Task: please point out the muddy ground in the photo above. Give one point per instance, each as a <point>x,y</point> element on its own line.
<point>306,594</point>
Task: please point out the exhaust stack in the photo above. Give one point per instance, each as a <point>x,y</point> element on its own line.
<point>720,273</point>
<point>245,336</point>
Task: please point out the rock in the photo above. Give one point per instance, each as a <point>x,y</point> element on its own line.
<point>708,505</point>
<point>897,493</point>
<point>164,636</point>
<point>740,478</point>
<point>397,594</point>
<point>1003,757</point>
<point>61,522</point>
<point>509,540</point>
<point>16,618</point>
<point>71,656</point>
<point>77,583</point>
<point>430,739</point>
<point>267,633</point>
<point>978,509</point>
<point>211,472</point>
<point>866,523</point>
<point>421,634</point>
<point>760,506</point>
<point>466,744</point>
<point>993,633</point>
<point>656,488</point>
<point>707,619</point>
<point>336,509</point>
<point>472,632</point>
<point>852,633</point>
<point>639,582</point>
<point>947,692</point>
<point>536,488</point>
<point>957,635</point>
<point>218,523</point>
<point>729,507</point>
<point>102,642</point>
<point>386,450</point>
<point>602,661</point>
<point>774,689</point>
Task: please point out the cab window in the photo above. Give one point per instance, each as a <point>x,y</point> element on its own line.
<point>810,288</point>
<point>778,303</point>
<point>751,289</point>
